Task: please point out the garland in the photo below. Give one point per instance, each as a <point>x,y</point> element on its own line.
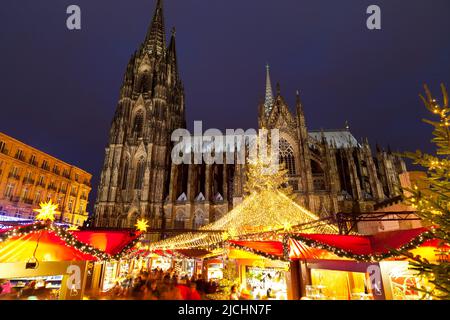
<point>68,238</point>
<point>414,243</point>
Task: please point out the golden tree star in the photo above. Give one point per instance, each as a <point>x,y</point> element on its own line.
<point>47,211</point>
<point>142,225</point>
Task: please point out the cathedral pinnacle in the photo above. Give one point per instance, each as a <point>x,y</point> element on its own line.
<point>156,35</point>
<point>268,103</point>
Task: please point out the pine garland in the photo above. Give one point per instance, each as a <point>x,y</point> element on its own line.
<point>69,239</point>
<point>414,243</point>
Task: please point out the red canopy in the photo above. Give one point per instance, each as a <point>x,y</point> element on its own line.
<point>365,245</point>
<point>48,245</point>
<point>274,248</point>
<point>305,246</point>
<point>111,242</point>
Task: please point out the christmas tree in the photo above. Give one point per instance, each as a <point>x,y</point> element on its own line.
<point>433,202</point>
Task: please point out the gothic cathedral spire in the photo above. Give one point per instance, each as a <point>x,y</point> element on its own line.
<point>268,103</point>
<point>155,40</point>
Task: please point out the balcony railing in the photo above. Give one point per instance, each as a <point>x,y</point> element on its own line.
<point>45,167</point>
<point>56,171</point>
<point>83,197</point>
<point>14,176</point>
<point>33,162</point>
<point>52,187</point>
<point>66,175</point>
<point>28,181</point>
<point>73,194</point>
<point>5,151</point>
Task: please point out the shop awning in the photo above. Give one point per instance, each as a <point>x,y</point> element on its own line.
<point>48,245</point>
<point>327,246</point>
<point>380,243</point>
<point>269,249</point>
<point>111,242</point>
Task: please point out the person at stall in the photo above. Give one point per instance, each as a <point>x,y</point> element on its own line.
<point>201,284</point>
<point>6,287</point>
<point>170,290</point>
<point>270,294</point>
<point>126,285</point>
<point>234,295</point>
<point>137,290</point>
<point>246,293</point>
<point>117,290</point>
<point>28,290</point>
<point>192,293</point>
<point>152,292</point>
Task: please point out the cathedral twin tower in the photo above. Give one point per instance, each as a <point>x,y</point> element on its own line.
<point>329,170</point>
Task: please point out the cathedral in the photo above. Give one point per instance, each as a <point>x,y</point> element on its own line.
<point>330,171</point>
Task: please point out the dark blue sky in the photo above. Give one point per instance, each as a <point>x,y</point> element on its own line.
<point>59,88</point>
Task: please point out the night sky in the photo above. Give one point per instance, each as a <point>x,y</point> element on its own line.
<point>59,88</point>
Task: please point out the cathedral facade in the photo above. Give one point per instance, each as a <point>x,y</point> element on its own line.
<point>330,171</point>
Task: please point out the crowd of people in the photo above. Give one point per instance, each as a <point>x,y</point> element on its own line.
<point>162,285</point>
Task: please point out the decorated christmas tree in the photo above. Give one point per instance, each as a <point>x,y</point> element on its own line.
<point>433,202</point>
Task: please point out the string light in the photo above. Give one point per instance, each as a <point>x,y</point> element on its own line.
<point>269,206</point>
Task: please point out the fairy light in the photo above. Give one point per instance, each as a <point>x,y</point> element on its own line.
<point>269,206</point>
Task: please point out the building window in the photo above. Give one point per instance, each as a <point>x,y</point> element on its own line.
<point>25,193</point>
<point>139,174</point>
<point>287,156</point>
<point>41,181</point>
<point>138,123</point>
<point>70,205</point>
<point>33,160</point>
<point>2,146</point>
<point>20,155</point>
<point>9,191</point>
<point>77,177</point>
<point>45,165</point>
<point>66,173</point>
<point>37,198</point>
<point>59,201</point>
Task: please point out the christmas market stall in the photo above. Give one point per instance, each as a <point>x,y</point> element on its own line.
<point>351,267</point>
<point>44,260</point>
<point>41,261</point>
<point>102,275</point>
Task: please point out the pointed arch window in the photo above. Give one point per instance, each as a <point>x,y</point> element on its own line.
<point>287,156</point>
<point>139,174</point>
<point>138,123</point>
